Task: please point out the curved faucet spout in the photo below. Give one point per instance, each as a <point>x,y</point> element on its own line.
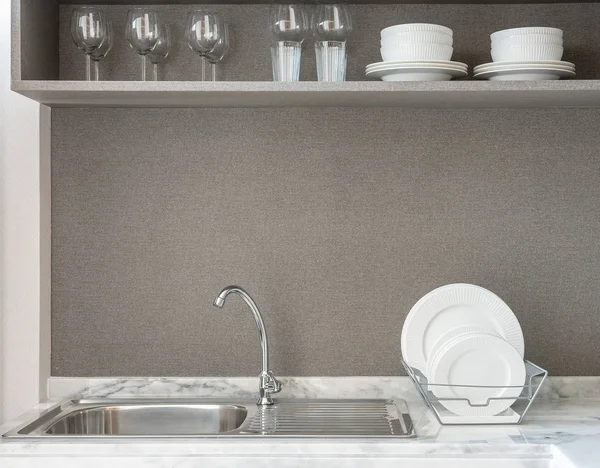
<point>268,383</point>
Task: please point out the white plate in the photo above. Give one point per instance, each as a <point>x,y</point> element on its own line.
<point>414,65</point>
<point>549,63</point>
<point>417,73</point>
<point>451,335</point>
<point>494,66</point>
<point>451,306</point>
<point>433,63</point>
<point>478,360</point>
<point>525,74</point>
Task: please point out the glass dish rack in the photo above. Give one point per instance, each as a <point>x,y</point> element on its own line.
<point>535,377</point>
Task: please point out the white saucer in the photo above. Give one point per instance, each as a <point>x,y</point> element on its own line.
<point>417,73</point>
<point>426,63</point>
<point>474,370</point>
<point>524,74</point>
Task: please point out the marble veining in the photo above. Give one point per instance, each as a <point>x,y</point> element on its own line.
<point>294,387</point>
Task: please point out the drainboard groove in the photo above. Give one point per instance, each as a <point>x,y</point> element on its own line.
<point>356,418</point>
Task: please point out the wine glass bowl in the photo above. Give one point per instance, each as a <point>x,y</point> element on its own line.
<point>142,29</point>
<point>288,22</point>
<point>332,22</point>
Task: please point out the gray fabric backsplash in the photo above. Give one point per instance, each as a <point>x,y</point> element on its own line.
<point>335,220</point>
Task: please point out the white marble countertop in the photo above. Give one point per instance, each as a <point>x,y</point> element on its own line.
<point>562,430</point>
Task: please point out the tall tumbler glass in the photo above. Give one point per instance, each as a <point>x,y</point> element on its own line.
<point>332,25</point>
<point>289,26</point>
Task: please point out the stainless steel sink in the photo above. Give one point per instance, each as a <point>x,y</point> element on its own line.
<point>211,418</point>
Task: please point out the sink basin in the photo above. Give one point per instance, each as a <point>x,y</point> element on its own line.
<point>197,418</point>
<point>157,419</point>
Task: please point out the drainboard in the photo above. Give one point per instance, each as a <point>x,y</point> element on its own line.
<point>162,418</point>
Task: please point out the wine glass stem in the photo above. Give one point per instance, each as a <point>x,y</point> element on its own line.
<point>155,72</point>
<point>203,68</point>
<point>143,68</point>
<point>214,71</point>
<point>97,69</point>
<point>88,67</point>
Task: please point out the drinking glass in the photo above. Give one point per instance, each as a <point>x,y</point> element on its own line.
<point>332,25</point>
<point>219,51</point>
<point>104,49</point>
<point>289,26</point>
<point>203,32</point>
<point>162,48</point>
<point>88,30</point>
<point>142,32</point>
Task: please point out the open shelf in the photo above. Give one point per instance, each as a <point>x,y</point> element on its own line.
<point>449,94</point>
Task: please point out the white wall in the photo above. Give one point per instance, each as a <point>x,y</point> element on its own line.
<point>20,254</point>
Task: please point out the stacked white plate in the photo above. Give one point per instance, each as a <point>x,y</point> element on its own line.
<point>469,345</point>
<point>416,52</point>
<point>526,54</point>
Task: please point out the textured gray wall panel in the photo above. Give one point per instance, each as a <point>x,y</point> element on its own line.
<point>39,39</point>
<point>336,220</point>
<point>250,57</point>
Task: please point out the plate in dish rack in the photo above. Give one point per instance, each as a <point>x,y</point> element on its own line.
<point>451,306</point>
<point>417,73</point>
<point>481,374</point>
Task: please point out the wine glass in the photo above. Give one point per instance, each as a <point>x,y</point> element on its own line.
<point>162,48</point>
<point>142,32</point>
<point>332,25</point>
<point>204,30</point>
<point>104,49</point>
<point>289,26</point>
<point>219,51</point>
<point>88,30</point>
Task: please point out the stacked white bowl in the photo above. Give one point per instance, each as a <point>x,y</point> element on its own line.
<point>416,41</point>
<point>527,44</point>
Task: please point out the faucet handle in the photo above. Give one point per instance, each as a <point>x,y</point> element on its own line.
<point>270,383</point>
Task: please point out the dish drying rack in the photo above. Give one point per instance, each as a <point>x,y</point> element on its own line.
<point>535,377</point>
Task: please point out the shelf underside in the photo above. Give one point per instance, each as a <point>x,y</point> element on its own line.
<point>452,94</point>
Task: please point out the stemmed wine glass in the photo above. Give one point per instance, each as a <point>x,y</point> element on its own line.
<point>103,50</point>
<point>289,26</point>
<point>142,32</point>
<point>331,24</point>
<point>88,30</point>
<point>203,31</point>
<point>162,48</point>
<point>219,51</point>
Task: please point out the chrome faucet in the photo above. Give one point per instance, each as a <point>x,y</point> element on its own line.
<point>268,383</point>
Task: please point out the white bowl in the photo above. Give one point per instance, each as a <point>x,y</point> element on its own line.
<point>520,31</point>
<point>416,36</point>
<point>422,51</point>
<point>520,39</point>
<point>527,52</point>
<point>415,27</point>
